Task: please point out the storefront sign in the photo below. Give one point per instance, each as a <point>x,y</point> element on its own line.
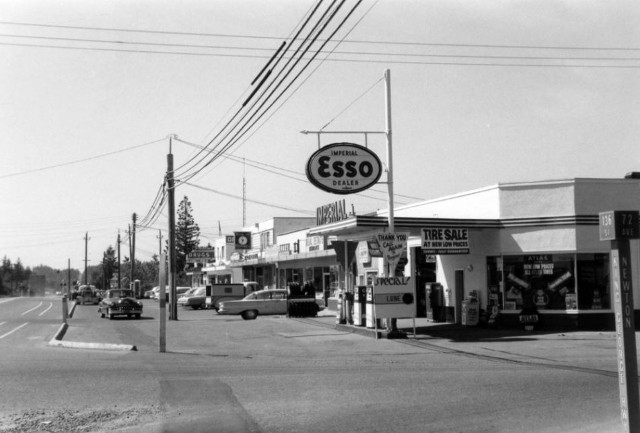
<point>229,239</point>
<point>331,213</point>
<point>439,240</point>
<point>201,255</point>
<point>344,168</point>
<point>243,240</point>
<point>363,253</point>
<point>540,264</point>
<point>392,246</point>
<point>394,297</point>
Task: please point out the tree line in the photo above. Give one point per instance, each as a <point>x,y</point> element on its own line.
<point>187,239</point>
<point>14,277</point>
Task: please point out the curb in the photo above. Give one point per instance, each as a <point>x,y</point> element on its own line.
<point>56,341</point>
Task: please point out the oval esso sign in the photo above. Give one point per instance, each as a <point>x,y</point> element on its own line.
<point>344,168</point>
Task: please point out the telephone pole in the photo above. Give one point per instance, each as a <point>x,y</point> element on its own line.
<point>173,312</point>
<point>86,244</point>
<point>133,248</point>
<point>119,279</point>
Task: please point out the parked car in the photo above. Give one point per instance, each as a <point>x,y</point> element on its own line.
<point>261,302</point>
<point>120,302</point>
<point>88,294</point>
<point>194,298</point>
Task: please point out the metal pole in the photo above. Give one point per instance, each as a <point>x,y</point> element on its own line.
<point>392,323</point>
<point>387,86</point>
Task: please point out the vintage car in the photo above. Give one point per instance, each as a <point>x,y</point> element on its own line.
<point>88,294</point>
<point>120,302</point>
<point>261,302</point>
<point>194,298</point>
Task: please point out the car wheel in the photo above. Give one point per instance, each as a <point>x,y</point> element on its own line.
<point>249,315</point>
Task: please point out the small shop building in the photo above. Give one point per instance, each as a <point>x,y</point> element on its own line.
<point>509,247</point>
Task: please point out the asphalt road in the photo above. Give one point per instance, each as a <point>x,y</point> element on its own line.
<point>274,374</point>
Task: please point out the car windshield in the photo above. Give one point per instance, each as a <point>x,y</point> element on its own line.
<point>200,291</point>
<point>120,293</point>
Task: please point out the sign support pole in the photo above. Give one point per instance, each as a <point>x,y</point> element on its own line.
<point>625,334</point>
<point>619,227</point>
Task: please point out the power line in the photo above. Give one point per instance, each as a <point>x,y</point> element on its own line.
<point>77,161</point>
<point>252,201</point>
<point>353,41</point>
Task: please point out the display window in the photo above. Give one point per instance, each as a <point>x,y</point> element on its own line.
<point>551,281</point>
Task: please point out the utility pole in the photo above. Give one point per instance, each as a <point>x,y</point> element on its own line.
<point>173,313</point>
<point>159,243</point>
<point>68,278</point>
<point>119,279</point>
<point>133,249</point>
<point>392,323</point>
<point>244,196</point>
<point>86,244</point>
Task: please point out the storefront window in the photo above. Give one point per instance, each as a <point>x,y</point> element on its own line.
<point>593,282</point>
<point>551,281</point>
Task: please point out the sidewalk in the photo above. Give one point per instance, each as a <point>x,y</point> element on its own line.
<point>594,350</point>
<point>576,349</point>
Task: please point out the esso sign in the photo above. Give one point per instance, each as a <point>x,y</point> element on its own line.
<point>344,168</point>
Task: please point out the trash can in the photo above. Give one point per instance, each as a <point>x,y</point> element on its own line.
<point>359,305</point>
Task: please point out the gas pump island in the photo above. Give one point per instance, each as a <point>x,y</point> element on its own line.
<point>618,227</point>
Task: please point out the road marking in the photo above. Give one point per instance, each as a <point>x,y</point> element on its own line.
<point>7,300</point>
<point>2,323</point>
<point>48,308</point>
<point>34,308</point>
<point>14,330</point>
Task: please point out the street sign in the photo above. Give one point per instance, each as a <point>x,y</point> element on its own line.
<point>619,224</point>
<point>618,227</point>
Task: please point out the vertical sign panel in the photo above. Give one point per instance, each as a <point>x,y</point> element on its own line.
<point>625,334</point>
<point>619,227</point>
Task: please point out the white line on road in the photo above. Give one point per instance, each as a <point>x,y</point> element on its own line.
<point>6,300</point>
<point>2,323</point>
<point>14,330</point>
<point>34,308</point>
<point>48,308</point>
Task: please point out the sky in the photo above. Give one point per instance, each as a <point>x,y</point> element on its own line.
<point>482,92</point>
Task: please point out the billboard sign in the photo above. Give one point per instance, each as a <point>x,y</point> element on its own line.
<point>440,240</point>
<point>344,168</point>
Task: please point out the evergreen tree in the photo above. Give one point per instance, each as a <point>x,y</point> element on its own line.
<point>109,265</point>
<point>187,234</point>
